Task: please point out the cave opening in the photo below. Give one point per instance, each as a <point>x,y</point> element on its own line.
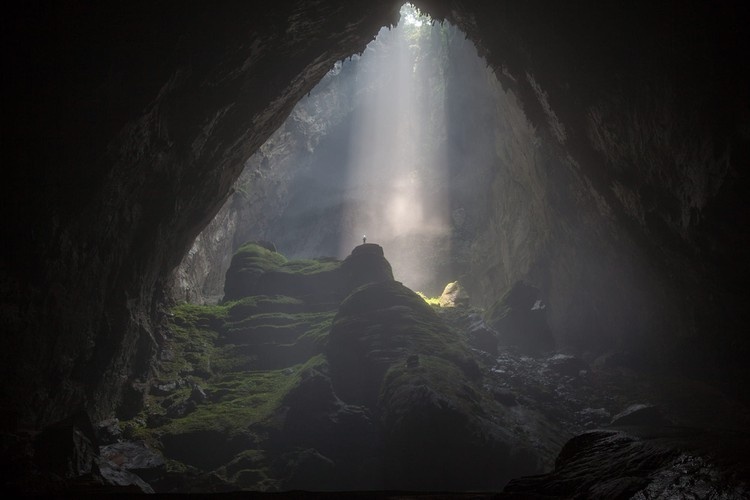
<point>588,200</point>
<point>395,144</point>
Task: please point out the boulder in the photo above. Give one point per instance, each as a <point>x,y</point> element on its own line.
<point>366,264</point>
<point>108,431</point>
<point>124,480</point>
<point>257,270</point>
<point>453,295</point>
<point>251,261</point>
<point>136,457</point>
<point>437,434</point>
<point>615,464</point>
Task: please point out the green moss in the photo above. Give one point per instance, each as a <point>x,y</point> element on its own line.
<point>255,304</point>
<point>433,301</point>
<point>253,257</point>
<point>242,401</point>
<point>312,266</point>
<point>435,374</point>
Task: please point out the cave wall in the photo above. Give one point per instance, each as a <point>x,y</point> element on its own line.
<point>130,123</point>
<point>134,121</point>
<point>663,169</point>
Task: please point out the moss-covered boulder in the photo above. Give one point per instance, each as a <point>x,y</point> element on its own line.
<point>520,319</point>
<point>258,270</point>
<point>390,351</point>
<point>366,264</point>
<point>381,325</point>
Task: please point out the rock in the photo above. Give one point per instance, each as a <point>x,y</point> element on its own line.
<point>568,365</point>
<point>309,470</point>
<point>641,415</point>
<point>205,449</point>
<point>121,477</point>
<point>590,418</point>
<point>136,457</point>
<point>412,361</point>
<point>453,295</point>
<point>108,431</point>
<point>345,434</point>
<point>255,270</point>
<point>68,448</point>
<point>520,320</point>
<point>483,338</point>
<point>181,408</point>
<point>164,389</point>
<point>366,264</point>
<point>197,395</point>
<point>251,261</point>
<point>376,328</point>
<point>504,396</point>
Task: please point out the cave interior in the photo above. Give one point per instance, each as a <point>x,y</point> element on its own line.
<point>175,172</point>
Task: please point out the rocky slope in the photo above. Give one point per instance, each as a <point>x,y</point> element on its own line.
<point>327,375</point>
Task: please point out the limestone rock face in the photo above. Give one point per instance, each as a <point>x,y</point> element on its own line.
<point>520,320</point>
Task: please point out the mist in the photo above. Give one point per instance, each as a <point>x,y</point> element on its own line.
<point>382,168</point>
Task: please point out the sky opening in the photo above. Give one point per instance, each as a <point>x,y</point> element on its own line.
<point>397,151</point>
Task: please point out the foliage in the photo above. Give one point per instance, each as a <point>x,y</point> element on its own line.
<point>433,301</point>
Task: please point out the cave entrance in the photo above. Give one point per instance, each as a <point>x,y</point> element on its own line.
<point>380,148</point>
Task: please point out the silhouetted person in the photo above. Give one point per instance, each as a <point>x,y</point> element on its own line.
<point>364,239</point>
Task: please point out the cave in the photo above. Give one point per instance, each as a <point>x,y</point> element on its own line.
<point>592,339</point>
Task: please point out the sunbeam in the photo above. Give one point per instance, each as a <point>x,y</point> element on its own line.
<point>397,151</point>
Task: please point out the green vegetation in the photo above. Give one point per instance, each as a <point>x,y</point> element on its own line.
<point>433,301</point>
<point>236,380</point>
<point>311,266</point>
<point>225,370</point>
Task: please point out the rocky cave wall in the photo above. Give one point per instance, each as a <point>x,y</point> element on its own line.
<point>131,124</point>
